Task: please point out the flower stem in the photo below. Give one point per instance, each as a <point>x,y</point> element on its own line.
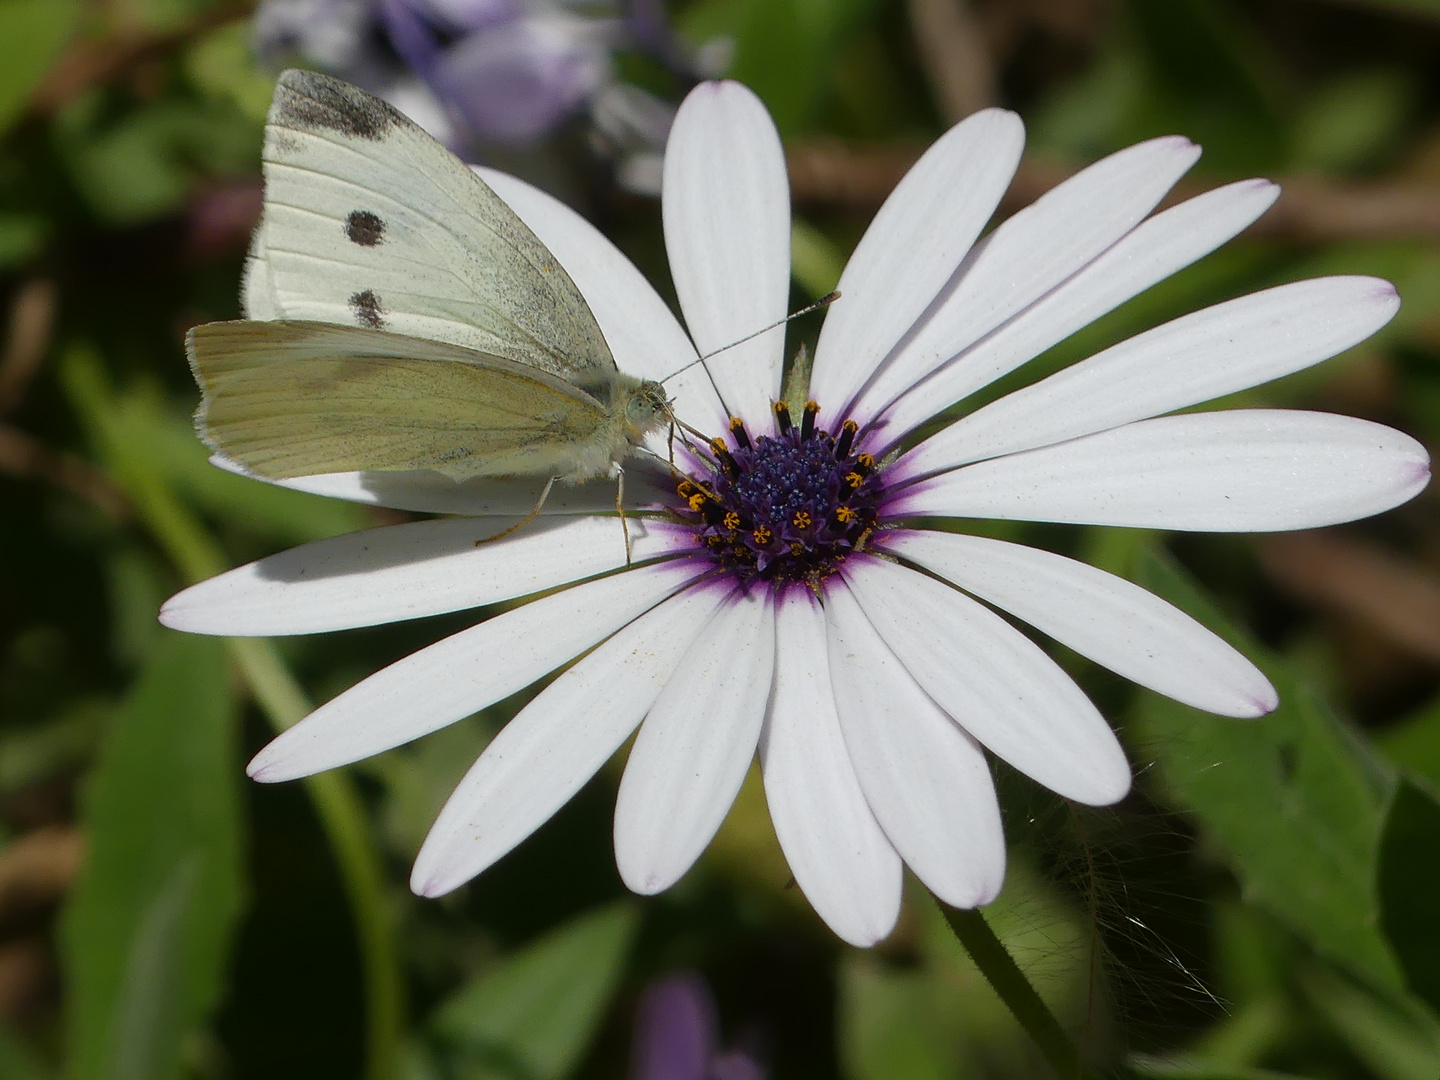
<point>342,816</point>
<point>336,800</point>
<point>1019,996</point>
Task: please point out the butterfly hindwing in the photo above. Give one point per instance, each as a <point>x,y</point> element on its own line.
<point>292,399</point>
<point>370,222</point>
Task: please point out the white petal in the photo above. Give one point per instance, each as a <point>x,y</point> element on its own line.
<point>1154,250</point>
<point>690,757</point>
<point>994,681</point>
<point>426,492</point>
<point>1034,251</point>
<point>1112,621</point>
<point>912,248</point>
<point>840,858</point>
<point>726,207</point>
<point>557,742</point>
<point>924,777</point>
<point>1242,470</point>
<point>1204,355</point>
<point>464,673</point>
<point>407,571</point>
<point>645,337</point>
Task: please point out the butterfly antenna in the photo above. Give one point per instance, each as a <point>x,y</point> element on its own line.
<point>824,301</point>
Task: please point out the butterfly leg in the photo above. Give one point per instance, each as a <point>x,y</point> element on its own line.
<point>620,509</point>
<point>544,494</point>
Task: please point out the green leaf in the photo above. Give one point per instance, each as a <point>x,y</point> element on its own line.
<point>1351,120</point>
<point>21,237</point>
<point>36,752</point>
<point>32,33</point>
<point>164,438</point>
<point>141,165</point>
<point>1180,1069</point>
<point>1294,798</point>
<point>531,1016</point>
<point>885,1033</point>
<point>146,932</point>
<point>1208,75</point>
<point>137,586</point>
<point>1193,66</point>
<point>940,1018</point>
<point>419,778</point>
<point>784,49</point>
<point>1410,887</point>
<point>815,259</point>
<point>1394,1040</point>
<point>16,1062</point>
<point>223,65</point>
<point>1414,743</point>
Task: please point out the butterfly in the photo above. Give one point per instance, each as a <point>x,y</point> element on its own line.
<point>405,318</point>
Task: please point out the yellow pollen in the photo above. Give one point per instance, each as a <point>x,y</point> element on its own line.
<point>845,515</point>
<point>854,479</point>
<point>865,461</point>
<point>762,535</point>
<point>801,520</point>
<point>732,520</point>
<point>796,548</point>
<point>697,501</point>
<point>686,489</point>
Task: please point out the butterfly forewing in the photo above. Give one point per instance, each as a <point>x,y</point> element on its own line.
<point>258,298</point>
<point>292,399</point>
<point>370,222</point>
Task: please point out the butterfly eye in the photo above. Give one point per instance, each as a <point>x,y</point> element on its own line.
<point>648,405</point>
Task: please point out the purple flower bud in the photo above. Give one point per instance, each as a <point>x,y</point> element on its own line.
<point>516,82</point>
<point>676,1035</point>
<point>675,1030</point>
<point>411,33</point>
<point>469,16</point>
<point>735,1065</point>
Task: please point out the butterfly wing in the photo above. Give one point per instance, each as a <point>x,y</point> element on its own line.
<point>370,222</point>
<point>293,399</point>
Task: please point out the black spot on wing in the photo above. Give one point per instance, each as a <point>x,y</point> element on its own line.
<point>309,101</point>
<point>366,306</point>
<point>364,228</point>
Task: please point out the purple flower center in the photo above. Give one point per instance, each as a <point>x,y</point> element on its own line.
<point>784,508</point>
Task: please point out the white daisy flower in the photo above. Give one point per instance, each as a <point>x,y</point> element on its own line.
<point>788,597</point>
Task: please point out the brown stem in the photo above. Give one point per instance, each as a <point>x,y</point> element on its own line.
<point>24,456</point>
<point>32,318</point>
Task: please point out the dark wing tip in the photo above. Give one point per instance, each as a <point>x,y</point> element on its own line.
<point>312,101</point>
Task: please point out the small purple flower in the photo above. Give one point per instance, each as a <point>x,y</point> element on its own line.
<point>676,1032</point>
<point>522,79</point>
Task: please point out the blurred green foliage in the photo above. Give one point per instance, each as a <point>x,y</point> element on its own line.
<point>146,934</point>
<point>1265,906</point>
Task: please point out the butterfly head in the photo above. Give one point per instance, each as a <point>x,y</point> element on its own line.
<point>647,410</point>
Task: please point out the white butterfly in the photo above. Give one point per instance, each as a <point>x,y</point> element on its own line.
<point>405,318</point>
